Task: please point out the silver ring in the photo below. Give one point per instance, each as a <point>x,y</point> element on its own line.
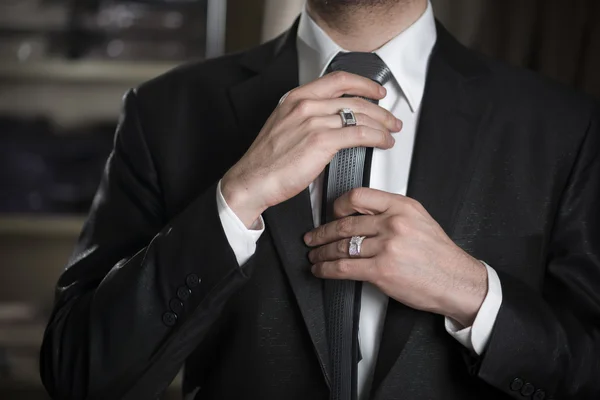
<point>354,248</point>
<point>348,117</point>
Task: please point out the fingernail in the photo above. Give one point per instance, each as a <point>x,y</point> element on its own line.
<point>313,269</point>
<point>398,124</point>
<point>382,91</point>
<point>307,238</point>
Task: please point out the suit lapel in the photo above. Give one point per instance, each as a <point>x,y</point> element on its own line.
<point>253,101</point>
<point>445,154</point>
<point>273,71</point>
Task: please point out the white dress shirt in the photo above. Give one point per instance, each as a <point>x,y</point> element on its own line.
<point>407,56</point>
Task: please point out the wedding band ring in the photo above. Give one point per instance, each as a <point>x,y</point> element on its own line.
<point>348,117</point>
<point>355,243</point>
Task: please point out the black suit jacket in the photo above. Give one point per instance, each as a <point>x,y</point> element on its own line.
<point>507,163</point>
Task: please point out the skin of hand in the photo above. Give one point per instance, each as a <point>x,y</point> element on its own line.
<point>301,137</point>
<point>406,254</point>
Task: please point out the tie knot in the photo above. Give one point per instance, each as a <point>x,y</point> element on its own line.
<point>368,65</point>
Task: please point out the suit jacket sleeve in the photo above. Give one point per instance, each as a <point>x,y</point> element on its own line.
<point>547,344</point>
<point>140,292</point>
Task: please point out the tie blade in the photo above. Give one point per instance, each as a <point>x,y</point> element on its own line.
<point>348,169</point>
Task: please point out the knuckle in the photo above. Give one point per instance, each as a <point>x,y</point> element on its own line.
<point>397,224</point>
<point>410,204</point>
<point>389,117</point>
<point>303,107</point>
<point>416,205</point>
<point>292,96</point>
<point>321,233</point>
<point>361,132</point>
<point>337,207</point>
<point>334,74</point>
<point>344,226</point>
<point>342,246</point>
<point>385,141</point>
<point>341,267</point>
<point>355,195</point>
<point>340,77</point>
<point>319,253</point>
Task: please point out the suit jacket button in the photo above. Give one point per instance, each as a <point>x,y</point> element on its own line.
<point>169,319</point>
<point>176,306</point>
<point>517,384</point>
<point>539,395</point>
<point>527,389</point>
<point>192,281</point>
<point>183,293</point>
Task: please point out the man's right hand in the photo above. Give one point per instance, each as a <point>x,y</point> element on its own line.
<point>301,137</point>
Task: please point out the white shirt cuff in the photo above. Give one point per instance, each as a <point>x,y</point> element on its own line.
<point>476,337</point>
<point>241,239</point>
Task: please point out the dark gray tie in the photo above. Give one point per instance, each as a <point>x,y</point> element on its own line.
<point>348,169</point>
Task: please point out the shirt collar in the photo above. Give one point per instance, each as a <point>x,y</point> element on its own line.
<point>407,54</point>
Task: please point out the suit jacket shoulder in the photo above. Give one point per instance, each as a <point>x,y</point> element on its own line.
<point>527,97</point>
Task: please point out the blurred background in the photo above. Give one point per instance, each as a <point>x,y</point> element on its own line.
<point>64,65</point>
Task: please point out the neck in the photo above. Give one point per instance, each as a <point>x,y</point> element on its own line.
<point>364,25</point>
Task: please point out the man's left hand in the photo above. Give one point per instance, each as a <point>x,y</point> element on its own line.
<point>406,254</point>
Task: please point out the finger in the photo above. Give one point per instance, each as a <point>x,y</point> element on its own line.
<point>335,85</point>
<point>335,122</point>
<point>359,269</point>
<point>359,225</point>
<point>306,109</point>
<point>333,251</point>
<point>358,105</point>
<point>356,136</point>
<point>364,201</point>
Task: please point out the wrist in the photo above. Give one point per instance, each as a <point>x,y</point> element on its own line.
<point>464,299</point>
<point>241,200</point>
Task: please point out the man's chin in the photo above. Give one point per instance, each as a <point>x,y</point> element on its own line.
<point>335,4</point>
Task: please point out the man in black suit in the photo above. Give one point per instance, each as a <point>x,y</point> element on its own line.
<point>481,262</point>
